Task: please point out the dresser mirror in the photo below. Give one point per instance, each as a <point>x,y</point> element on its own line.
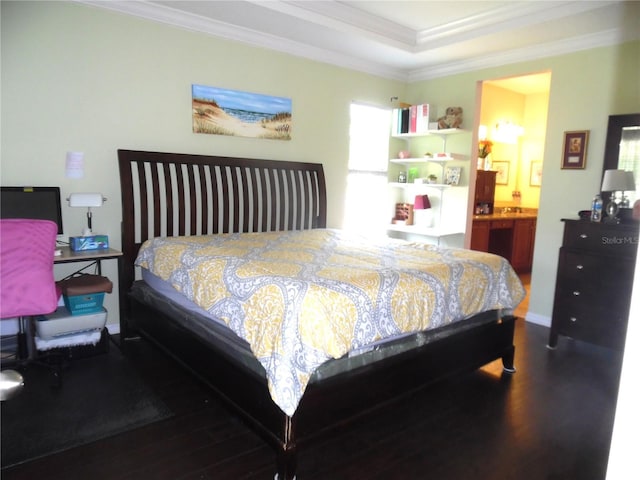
<point>622,151</point>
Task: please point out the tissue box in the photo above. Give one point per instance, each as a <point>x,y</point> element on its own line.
<point>62,322</point>
<point>83,304</point>
<point>90,242</point>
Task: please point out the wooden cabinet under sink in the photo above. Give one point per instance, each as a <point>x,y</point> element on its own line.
<point>524,234</point>
<point>510,237</point>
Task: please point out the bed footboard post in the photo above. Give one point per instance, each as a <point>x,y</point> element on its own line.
<point>287,454</point>
<point>507,360</point>
<point>286,463</point>
<point>509,353</point>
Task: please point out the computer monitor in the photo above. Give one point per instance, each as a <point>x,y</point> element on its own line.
<point>32,202</point>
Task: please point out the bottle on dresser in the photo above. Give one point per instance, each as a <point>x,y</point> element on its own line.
<point>596,209</point>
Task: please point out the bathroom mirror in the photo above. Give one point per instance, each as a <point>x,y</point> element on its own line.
<point>622,150</point>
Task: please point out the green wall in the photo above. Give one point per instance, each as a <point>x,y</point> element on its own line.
<point>79,78</point>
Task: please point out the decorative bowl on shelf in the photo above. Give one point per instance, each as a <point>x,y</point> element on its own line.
<point>404,154</point>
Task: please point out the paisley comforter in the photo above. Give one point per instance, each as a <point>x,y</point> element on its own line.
<point>300,298</point>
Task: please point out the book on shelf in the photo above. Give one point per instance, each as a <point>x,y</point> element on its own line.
<point>404,120</point>
<point>410,119</point>
<point>422,118</point>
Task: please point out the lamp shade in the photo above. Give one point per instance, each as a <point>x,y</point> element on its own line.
<point>631,181</point>
<point>85,200</point>
<point>421,202</point>
<point>618,180</point>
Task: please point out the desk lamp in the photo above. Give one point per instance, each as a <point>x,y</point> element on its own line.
<point>86,200</point>
<point>616,181</point>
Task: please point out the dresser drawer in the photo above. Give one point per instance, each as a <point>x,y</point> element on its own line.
<point>575,310</point>
<point>587,324</point>
<point>601,238</point>
<point>598,276</point>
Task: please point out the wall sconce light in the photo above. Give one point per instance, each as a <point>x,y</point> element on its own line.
<point>616,181</point>
<point>86,200</point>
<point>482,132</point>
<point>507,132</point>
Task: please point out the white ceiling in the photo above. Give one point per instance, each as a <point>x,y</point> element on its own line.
<point>404,40</point>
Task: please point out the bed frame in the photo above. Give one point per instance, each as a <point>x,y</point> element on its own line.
<point>165,194</point>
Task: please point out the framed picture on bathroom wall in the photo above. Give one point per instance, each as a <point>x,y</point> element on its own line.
<point>535,178</point>
<point>502,167</point>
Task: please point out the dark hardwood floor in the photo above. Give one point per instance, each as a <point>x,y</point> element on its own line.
<point>551,420</point>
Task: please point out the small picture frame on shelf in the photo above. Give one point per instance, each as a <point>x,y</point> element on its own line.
<point>574,149</point>
<point>452,175</point>
<point>502,167</point>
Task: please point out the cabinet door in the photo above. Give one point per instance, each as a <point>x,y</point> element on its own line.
<point>480,236</point>
<point>485,186</point>
<point>524,232</point>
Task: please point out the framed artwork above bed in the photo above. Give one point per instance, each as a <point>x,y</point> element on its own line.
<point>221,111</point>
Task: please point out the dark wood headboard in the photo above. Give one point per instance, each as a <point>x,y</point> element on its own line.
<point>173,194</point>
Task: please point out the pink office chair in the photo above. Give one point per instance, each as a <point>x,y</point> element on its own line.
<point>27,285</point>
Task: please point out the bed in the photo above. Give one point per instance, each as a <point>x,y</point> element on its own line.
<point>225,214</point>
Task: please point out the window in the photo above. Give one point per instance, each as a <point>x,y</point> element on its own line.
<point>367,201</point>
<point>627,159</point>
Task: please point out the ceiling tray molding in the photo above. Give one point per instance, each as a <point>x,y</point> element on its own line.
<point>550,49</point>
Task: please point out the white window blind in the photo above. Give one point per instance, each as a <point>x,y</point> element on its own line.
<point>367,199</point>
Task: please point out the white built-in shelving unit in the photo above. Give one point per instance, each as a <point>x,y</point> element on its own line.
<point>442,158</point>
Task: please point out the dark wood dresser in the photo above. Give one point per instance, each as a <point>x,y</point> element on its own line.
<point>594,283</point>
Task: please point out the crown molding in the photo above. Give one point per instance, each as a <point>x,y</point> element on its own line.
<point>549,49</point>
<point>345,18</point>
<point>513,16</point>
<point>196,23</point>
<point>333,14</point>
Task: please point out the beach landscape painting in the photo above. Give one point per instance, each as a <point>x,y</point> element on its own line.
<point>222,111</point>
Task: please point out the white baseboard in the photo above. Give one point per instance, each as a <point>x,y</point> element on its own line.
<point>538,319</point>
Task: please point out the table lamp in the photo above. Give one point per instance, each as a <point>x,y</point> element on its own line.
<point>616,181</point>
<point>86,200</point>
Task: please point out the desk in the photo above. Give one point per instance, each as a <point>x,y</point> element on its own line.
<point>93,256</point>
